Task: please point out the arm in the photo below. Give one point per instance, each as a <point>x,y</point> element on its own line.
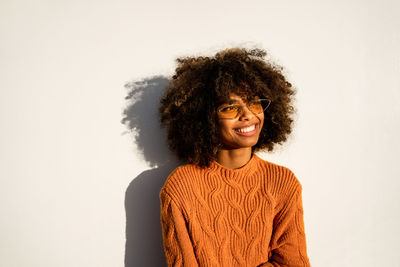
<point>177,244</point>
<point>288,242</point>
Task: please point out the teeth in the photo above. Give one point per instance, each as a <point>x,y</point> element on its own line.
<point>247,129</point>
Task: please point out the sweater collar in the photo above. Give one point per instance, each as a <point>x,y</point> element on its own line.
<point>245,170</point>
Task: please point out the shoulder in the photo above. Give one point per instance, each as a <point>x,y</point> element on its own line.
<point>281,179</point>
<point>181,174</point>
<point>179,182</point>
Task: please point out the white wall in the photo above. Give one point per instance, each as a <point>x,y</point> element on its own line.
<point>68,166</point>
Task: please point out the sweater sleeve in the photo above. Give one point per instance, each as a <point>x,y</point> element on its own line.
<point>288,242</point>
<point>177,243</point>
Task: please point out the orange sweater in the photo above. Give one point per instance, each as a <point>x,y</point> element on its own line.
<point>216,216</point>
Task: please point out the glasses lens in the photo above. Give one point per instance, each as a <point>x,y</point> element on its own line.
<point>259,105</point>
<point>229,112</point>
<point>256,107</point>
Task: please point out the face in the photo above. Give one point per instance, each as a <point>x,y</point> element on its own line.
<point>243,131</point>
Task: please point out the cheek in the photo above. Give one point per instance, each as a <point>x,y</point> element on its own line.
<point>225,131</point>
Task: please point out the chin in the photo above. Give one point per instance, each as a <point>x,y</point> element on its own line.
<point>248,144</point>
<point>242,144</point>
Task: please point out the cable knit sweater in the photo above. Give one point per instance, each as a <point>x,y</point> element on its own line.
<point>216,216</point>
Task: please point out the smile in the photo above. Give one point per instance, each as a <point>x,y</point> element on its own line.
<point>247,131</point>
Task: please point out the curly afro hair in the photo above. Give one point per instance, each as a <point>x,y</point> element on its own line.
<point>188,107</point>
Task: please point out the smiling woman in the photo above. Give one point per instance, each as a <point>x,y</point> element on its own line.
<point>227,206</point>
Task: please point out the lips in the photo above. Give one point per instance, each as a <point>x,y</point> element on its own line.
<point>247,131</point>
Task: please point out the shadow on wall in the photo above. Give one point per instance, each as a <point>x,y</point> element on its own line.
<point>143,245</point>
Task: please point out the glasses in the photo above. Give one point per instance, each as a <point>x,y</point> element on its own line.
<point>232,111</point>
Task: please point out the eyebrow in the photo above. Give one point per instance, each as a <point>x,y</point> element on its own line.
<point>232,101</point>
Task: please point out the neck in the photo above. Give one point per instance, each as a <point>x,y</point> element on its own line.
<point>234,158</point>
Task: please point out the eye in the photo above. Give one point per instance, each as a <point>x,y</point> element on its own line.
<point>255,102</point>
<point>229,108</point>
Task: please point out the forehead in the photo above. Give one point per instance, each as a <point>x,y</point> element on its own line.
<point>240,92</point>
<point>235,98</point>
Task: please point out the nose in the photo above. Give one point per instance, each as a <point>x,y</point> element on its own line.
<point>246,113</point>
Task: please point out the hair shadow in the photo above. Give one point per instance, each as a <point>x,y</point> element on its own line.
<point>144,245</point>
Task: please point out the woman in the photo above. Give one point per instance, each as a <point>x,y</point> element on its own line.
<point>227,206</point>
